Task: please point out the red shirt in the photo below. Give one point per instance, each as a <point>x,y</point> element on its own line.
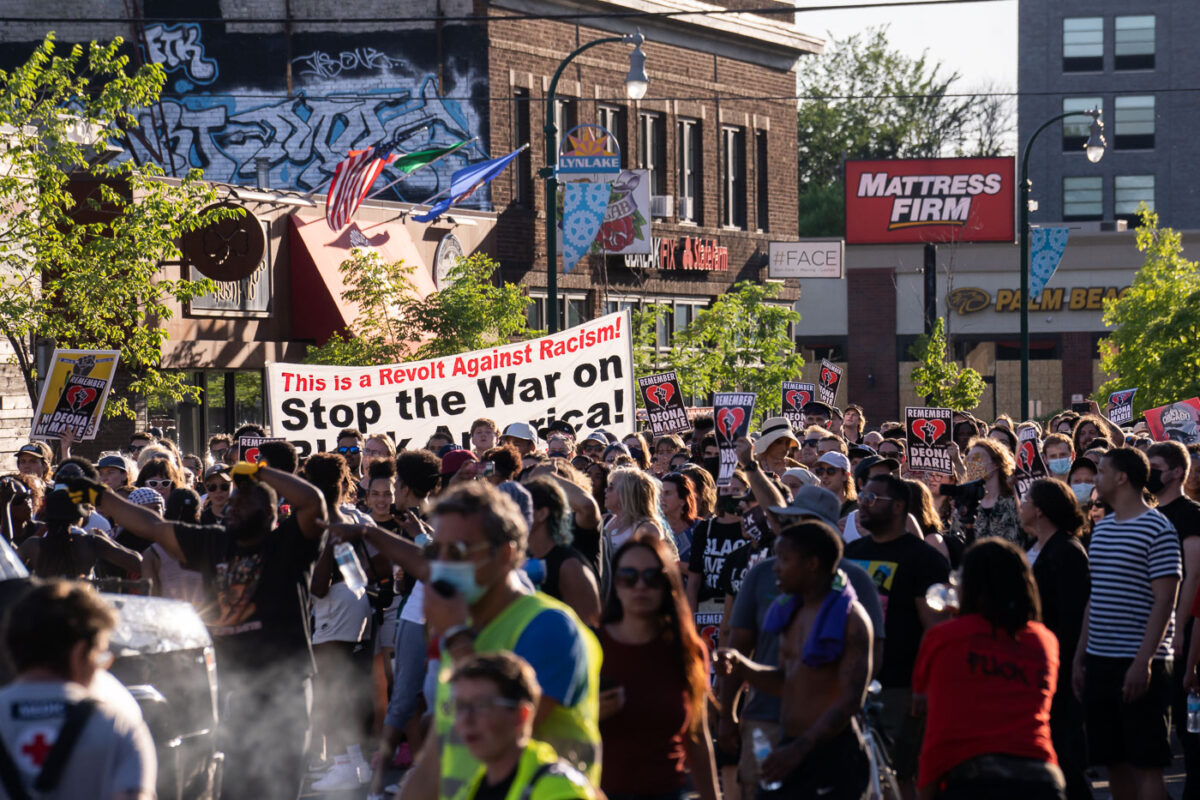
<point>985,693</point>
<point>645,748</point>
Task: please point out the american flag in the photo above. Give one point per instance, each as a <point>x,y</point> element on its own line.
<point>352,179</point>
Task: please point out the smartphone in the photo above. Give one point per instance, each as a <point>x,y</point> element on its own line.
<point>487,469</point>
<point>1081,408</point>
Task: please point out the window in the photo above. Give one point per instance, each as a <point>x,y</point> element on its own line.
<point>1083,198</point>
<point>572,310</point>
<point>690,152</point>
<point>1133,42</point>
<point>612,118</point>
<point>1083,44</point>
<point>652,151</point>
<point>1133,123</point>
<point>523,177</point>
<point>566,116</point>
<point>762,183</point>
<point>1076,129</point>
<point>1129,192</point>
<point>733,166</point>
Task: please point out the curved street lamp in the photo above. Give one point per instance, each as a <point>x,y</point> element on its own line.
<point>636,84</point>
<point>1094,149</point>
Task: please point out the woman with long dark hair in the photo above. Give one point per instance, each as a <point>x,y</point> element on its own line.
<point>653,720</point>
<point>678,498</point>
<point>986,680</point>
<point>1060,567</point>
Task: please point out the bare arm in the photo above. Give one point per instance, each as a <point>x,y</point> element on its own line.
<point>580,591</point>
<point>766,494</point>
<point>853,674</point>
<point>1187,590</point>
<point>308,505</point>
<point>702,761</point>
<point>693,589</point>
<point>115,554</point>
<point>583,505</point>
<point>143,522</point>
<point>742,640</point>
<point>322,577</point>
<point>1137,679</point>
<point>1080,651</point>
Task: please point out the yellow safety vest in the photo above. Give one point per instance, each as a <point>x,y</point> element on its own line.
<point>572,731</point>
<point>541,775</point>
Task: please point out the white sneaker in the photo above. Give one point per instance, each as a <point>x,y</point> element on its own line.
<point>343,777</point>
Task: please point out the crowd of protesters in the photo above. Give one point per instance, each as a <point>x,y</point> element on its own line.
<point>563,614</point>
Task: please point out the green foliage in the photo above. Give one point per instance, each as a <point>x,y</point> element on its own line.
<point>865,100</point>
<point>1156,324</point>
<point>741,343</point>
<point>939,379</point>
<point>394,324</point>
<point>646,358</point>
<point>84,271</point>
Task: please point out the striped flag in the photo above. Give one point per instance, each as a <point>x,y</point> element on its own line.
<point>352,179</point>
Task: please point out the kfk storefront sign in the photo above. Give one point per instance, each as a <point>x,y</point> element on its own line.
<point>930,200</point>
<point>972,299</point>
<point>688,253</point>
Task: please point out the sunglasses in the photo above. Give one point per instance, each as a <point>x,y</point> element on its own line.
<point>627,577</point>
<point>349,450</point>
<point>217,487</point>
<point>890,453</point>
<point>219,453</point>
<point>810,442</point>
<point>870,497</point>
<point>460,709</point>
<point>155,483</point>
<point>821,471</point>
<point>451,551</point>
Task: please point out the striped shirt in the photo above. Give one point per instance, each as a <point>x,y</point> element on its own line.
<point>1124,557</point>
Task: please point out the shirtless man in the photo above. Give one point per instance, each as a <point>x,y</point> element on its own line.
<point>821,754</point>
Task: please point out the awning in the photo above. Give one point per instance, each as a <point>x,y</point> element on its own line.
<point>318,310</point>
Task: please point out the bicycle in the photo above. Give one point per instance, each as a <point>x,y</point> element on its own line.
<point>884,785</point>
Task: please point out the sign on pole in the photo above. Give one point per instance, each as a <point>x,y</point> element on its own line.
<point>731,417</point>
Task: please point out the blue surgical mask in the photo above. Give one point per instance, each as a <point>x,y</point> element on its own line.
<point>1083,491</point>
<point>1059,466</point>
<point>460,575</point>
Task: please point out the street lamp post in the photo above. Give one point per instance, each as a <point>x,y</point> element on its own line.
<point>1094,148</point>
<point>636,84</point>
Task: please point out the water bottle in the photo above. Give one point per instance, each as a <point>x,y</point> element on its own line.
<point>940,597</point>
<point>762,749</point>
<point>422,539</point>
<point>352,571</point>
<point>1193,712</point>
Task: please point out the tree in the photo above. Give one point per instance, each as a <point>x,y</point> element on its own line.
<point>1155,324</point>
<point>394,324</point>
<point>741,343</point>
<point>82,238</point>
<point>865,100</point>
<point>941,381</point>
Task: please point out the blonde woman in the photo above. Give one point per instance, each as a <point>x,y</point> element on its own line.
<point>633,500</point>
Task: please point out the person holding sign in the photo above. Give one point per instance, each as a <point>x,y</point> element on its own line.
<point>990,465</point>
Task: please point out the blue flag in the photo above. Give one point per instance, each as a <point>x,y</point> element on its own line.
<point>465,181</point>
<point>1045,252</point>
<point>584,204</point>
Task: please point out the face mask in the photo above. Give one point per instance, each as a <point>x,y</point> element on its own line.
<point>1083,491</point>
<point>977,469</point>
<point>460,575</point>
<point>1155,482</point>
<point>1059,466</point>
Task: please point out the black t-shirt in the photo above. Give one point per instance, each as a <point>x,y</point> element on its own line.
<point>257,597</point>
<point>712,545</point>
<point>586,542</point>
<point>1184,514</point>
<point>555,558</point>
<point>496,791</point>
<point>902,569</point>
<point>759,544</point>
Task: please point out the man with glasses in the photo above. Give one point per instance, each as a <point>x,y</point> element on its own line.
<point>350,447</point>
<point>903,567</point>
<point>478,603</point>
<point>493,701</point>
<point>810,446</point>
<point>894,449</point>
<point>593,446</point>
<point>139,441</point>
<point>220,448</point>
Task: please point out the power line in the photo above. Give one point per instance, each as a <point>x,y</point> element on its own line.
<point>516,17</point>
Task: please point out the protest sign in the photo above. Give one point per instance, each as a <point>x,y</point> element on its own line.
<point>248,446</point>
<point>1030,464</point>
<point>928,433</point>
<point>74,393</point>
<point>829,381</point>
<point>583,375</point>
<point>1176,422</point>
<point>731,417</point>
<point>664,403</point>
<point>1120,407</point>
<point>796,395</point>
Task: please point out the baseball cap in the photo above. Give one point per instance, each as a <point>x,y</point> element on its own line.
<point>812,501</point>
<point>817,407</point>
<point>835,459</point>
<point>39,449</point>
<point>453,461</point>
<point>218,469</point>
<point>115,461</point>
<point>561,426</point>
<point>864,466</point>
<point>520,430</point>
<point>801,474</point>
<point>860,451</point>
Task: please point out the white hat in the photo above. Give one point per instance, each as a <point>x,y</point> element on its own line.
<point>774,429</point>
<point>835,459</point>
<point>520,430</point>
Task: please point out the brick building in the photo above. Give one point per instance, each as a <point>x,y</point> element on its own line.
<point>271,94</point>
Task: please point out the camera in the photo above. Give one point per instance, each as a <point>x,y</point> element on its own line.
<point>968,494</point>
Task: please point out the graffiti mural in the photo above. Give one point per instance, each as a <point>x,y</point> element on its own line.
<point>226,103</point>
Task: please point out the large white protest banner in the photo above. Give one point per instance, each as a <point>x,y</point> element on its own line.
<point>583,375</point>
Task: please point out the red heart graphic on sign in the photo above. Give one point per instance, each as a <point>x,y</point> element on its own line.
<point>660,394</point>
<point>798,399</point>
<point>1025,455</point>
<point>928,430</point>
<point>78,397</point>
<point>729,420</point>
<point>250,455</point>
<point>828,377</point>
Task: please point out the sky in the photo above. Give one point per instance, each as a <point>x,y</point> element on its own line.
<point>978,40</point>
